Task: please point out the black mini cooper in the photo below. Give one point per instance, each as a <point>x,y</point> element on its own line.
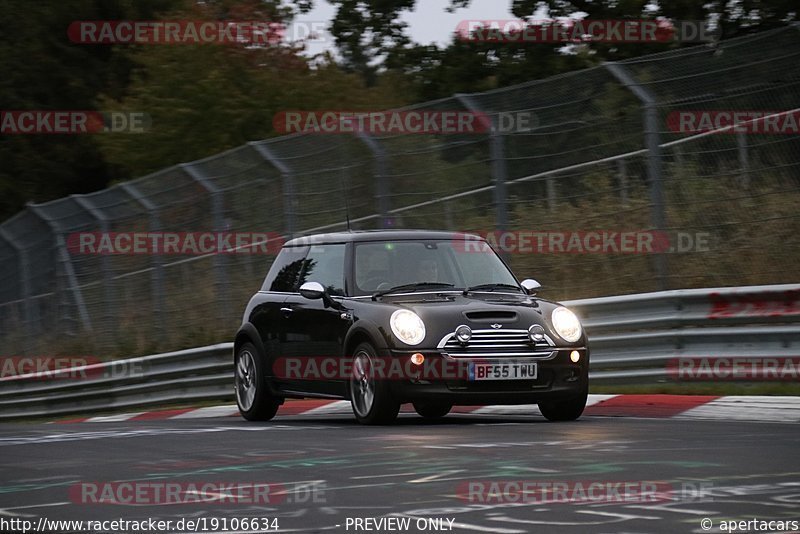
<point>387,317</point>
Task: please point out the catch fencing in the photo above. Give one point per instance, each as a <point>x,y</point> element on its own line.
<point>605,151</point>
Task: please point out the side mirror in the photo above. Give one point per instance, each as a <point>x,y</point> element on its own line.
<point>530,286</point>
<point>312,290</point>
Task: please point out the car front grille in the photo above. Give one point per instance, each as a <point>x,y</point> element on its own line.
<point>497,343</point>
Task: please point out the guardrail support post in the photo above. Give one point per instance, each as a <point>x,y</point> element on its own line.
<point>652,142</point>
<point>287,185</point>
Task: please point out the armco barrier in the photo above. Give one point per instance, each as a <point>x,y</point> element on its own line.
<point>191,375</point>
<point>632,338</point>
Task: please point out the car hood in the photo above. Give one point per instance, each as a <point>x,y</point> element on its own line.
<point>443,312</point>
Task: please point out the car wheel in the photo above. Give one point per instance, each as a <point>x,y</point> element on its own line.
<point>432,410</point>
<point>370,398</point>
<point>565,410</point>
<point>253,397</point>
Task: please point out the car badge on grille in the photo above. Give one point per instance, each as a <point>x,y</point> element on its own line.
<point>496,325</point>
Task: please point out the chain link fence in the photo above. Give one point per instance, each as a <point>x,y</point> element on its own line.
<point>603,154</point>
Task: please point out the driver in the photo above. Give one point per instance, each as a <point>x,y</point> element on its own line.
<point>427,271</point>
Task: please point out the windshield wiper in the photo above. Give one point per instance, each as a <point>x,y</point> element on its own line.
<point>410,287</point>
<point>491,287</point>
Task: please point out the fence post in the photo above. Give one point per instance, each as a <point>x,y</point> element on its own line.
<point>499,169</point>
<point>287,183</point>
<point>622,173</point>
<point>66,263</point>
<point>111,303</point>
<point>381,180</point>
<point>744,159</point>
<point>31,323</point>
<point>653,144</point>
<point>219,226</point>
<point>157,277</point>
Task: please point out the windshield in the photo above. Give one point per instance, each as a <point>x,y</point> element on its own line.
<point>445,265</point>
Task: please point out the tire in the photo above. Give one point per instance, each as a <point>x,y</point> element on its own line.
<point>432,410</point>
<point>565,410</point>
<point>253,397</point>
<point>371,400</point>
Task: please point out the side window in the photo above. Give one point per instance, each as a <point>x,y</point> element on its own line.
<point>284,274</point>
<point>325,264</point>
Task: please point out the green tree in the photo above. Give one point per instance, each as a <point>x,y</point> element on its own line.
<point>365,30</point>
<point>43,70</point>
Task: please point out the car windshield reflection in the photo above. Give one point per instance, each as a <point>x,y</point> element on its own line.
<point>382,267</point>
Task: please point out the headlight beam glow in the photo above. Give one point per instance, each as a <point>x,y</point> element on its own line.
<point>566,325</point>
<point>407,327</point>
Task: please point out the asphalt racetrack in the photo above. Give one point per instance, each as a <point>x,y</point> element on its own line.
<point>325,472</point>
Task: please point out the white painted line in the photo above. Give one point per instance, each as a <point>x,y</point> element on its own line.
<point>112,418</point>
<point>335,407</point>
<point>764,399</point>
<point>597,399</point>
<point>739,408</point>
<point>531,409</point>
<point>386,475</point>
<point>209,411</point>
<point>748,408</point>
<point>44,505</point>
<point>436,476</point>
<point>513,409</point>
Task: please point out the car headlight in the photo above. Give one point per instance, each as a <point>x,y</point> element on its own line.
<point>408,327</point>
<point>566,324</point>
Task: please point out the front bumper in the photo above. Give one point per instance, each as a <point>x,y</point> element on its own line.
<point>557,377</point>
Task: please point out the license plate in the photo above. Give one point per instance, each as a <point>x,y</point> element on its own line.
<point>502,371</point>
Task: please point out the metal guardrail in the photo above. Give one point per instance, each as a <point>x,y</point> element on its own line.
<point>632,338</point>
<point>192,375</point>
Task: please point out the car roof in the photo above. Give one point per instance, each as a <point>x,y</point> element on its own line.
<point>378,235</point>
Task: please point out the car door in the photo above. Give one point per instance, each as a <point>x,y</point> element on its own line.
<point>315,329</point>
<point>281,282</point>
